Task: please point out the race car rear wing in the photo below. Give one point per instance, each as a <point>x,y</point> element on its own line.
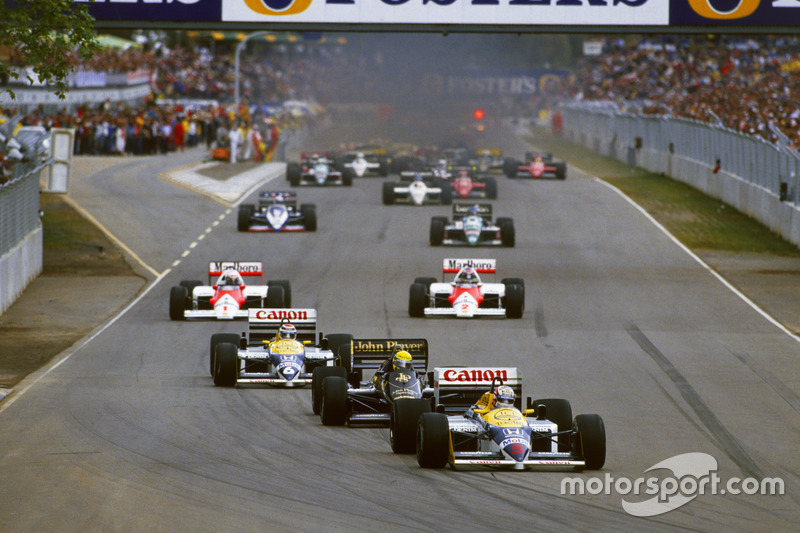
<point>245,268</point>
<point>481,266</point>
<point>369,354</point>
<point>461,210</point>
<point>456,388</point>
<point>263,324</point>
<point>278,197</point>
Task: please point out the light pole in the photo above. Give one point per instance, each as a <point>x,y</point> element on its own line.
<point>239,48</point>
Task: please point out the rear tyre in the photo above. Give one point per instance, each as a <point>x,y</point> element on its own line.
<point>508,235</point>
<point>293,174</point>
<point>425,281</point>
<point>178,297</point>
<point>417,300</point>
<point>388,193</point>
<point>591,440</point>
<point>320,373</point>
<point>491,188</point>
<point>433,440</point>
<point>190,284</point>
<point>437,232</point>
<point>561,171</point>
<point>447,194</point>
<point>347,178</point>
<point>287,290</point>
<point>559,411</point>
<point>309,214</point>
<point>510,167</point>
<point>333,404</point>
<point>275,297</point>
<point>336,340</point>
<point>514,301</point>
<point>403,421</point>
<point>216,339</point>
<point>245,213</point>
<point>225,371</point>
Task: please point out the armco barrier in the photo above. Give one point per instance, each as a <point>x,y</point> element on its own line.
<point>754,176</point>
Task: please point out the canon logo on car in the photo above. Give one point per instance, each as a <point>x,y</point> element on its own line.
<point>279,314</point>
<point>474,375</point>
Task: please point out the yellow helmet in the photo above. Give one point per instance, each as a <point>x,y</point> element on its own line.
<point>401,359</point>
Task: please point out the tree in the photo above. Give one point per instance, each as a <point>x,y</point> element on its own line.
<point>44,34</point>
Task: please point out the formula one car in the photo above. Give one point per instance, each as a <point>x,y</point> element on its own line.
<point>417,188</point>
<point>362,163</point>
<point>316,169</point>
<point>395,395</point>
<point>488,160</point>
<point>228,297</point>
<point>277,211</point>
<point>472,226</point>
<point>467,296</point>
<point>278,350</point>
<point>479,422</point>
<point>466,184</point>
<point>536,165</point>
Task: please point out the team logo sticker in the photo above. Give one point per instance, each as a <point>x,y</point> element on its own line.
<point>278,7</point>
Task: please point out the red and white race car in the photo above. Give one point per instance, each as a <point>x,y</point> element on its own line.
<point>466,184</point>
<point>536,165</point>
<point>467,296</point>
<point>229,297</point>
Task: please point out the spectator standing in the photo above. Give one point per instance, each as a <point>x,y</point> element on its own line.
<point>235,141</point>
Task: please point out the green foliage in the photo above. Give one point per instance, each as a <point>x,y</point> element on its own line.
<point>44,34</point>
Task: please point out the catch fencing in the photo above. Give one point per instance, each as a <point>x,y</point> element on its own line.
<point>757,177</point>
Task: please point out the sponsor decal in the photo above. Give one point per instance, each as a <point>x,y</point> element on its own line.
<point>474,375</point>
<point>379,346</point>
<point>279,314</point>
<point>245,268</point>
<point>706,9</point>
<point>483,266</point>
<point>278,7</point>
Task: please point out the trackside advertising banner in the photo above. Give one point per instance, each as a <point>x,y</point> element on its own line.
<point>589,13</point>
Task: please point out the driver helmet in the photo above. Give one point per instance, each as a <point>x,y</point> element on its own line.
<point>472,210</point>
<point>287,331</point>
<point>231,277</point>
<point>504,396</point>
<point>467,275</point>
<point>401,359</point>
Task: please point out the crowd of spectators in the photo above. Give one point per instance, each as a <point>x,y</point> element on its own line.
<point>749,84</point>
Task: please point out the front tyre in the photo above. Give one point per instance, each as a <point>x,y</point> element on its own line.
<point>333,405</point>
<point>433,440</point>
<point>319,374</point>
<point>514,301</point>
<point>177,302</point>
<point>591,440</point>
<point>219,338</point>
<point>417,300</point>
<point>226,369</point>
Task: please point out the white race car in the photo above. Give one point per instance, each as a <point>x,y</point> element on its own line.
<point>467,296</point>
<point>229,297</point>
<point>417,189</point>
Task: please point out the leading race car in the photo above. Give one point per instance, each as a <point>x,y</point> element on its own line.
<point>395,395</point>
<point>316,169</point>
<point>228,297</point>
<point>536,165</point>
<point>417,188</point>
<point>277,211</point>
<point>472,225</point>
<point>278,350</point>
<point>479,423</point>
<point>467,296</point>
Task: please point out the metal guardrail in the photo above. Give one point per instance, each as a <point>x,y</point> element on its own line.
<point>774,167</point>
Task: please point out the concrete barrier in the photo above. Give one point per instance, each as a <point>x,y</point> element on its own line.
<point>20,266</point>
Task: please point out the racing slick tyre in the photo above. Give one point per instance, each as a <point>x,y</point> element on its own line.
<point>514,301</point>
<point>227,359</point>
<point>590,442</point>
<point>510,167</point>
<point>335,340</point>
<point>433,440</point>
<point>383,169</point>
<point>437,231</point>
<point>491,188</point>
<point>347,178</point>
<point>178,297</point>
<point>513,281</point>
<point>508,235</point>
<point>218,338</point>
<point>447,194</point>
<point>559,411</point>
<point>403,420</point>
<point>333,404</point>
<point>561,171</point>
<point>245,213</point>
<point>287,291</point>
<point>293,174</point>
<point>388,193</point>
<point>190,284</point>
<point>417,300</point>
<point>275,297</point>
<point>425,281</point>
<point>320,373</point>
<point>309,214</point>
